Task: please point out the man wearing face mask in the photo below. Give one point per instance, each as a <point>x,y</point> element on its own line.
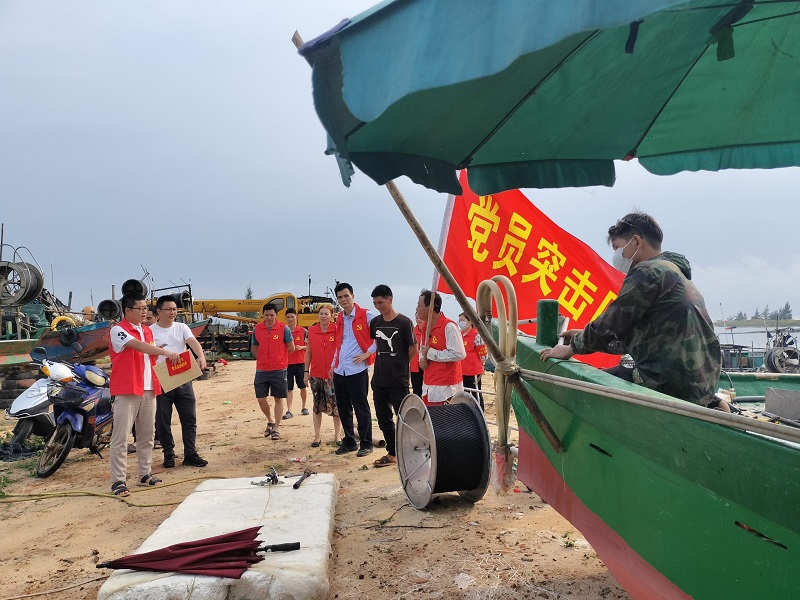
<point>659,318</point>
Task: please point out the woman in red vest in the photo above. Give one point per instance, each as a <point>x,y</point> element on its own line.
<point>319,356</point>
<point>472,366</point>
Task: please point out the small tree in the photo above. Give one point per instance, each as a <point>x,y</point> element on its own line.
<point>740,316</point>
<point>756,314</point>
<point>785,312</point>
<point>248,295</point>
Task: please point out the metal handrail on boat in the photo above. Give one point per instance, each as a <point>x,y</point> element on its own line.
<point>677,407</point>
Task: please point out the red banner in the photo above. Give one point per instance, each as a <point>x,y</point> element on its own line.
<point>505,234</point>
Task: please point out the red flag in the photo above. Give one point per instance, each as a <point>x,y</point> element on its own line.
<point>505,234</point>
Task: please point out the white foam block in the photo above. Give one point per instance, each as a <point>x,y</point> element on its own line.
<point>218,506</point>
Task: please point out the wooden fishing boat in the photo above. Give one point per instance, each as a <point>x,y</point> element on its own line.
<point>677,503</point>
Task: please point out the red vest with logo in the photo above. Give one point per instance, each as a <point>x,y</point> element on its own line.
<point>299,337</point>
<point>441,373</point>
<point>272,352</point>
<point>472,365</point>
<point>323,346</point>
<point>127,367</point>
<point>414,363</point>
<point>360,330</point>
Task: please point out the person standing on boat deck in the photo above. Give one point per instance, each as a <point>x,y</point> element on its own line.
<point>395,344</point>
<point>659,318</point>
<point>349,370</point>
<point>416,373</point>
<point>134,387</point>
<point>441,358</point>
<point>176,337</point>
<point>297,361</point>
<point>472,365</point>
<point>271,343</point>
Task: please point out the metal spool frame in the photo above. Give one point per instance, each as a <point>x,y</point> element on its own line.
<point>110,309</point>
<point>442,449</point>
<point>134,286</point>
<point>20,283</point>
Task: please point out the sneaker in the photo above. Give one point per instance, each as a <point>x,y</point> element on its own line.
<point>131,448</point>
<point>364,451</point>
<point>304,412</point>
<point>194,461</point>
<point>345,449</point>
<point>288,415</point>
<point>169,462</point>
<point>156,445</point>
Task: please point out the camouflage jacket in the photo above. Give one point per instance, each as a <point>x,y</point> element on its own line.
<point>660,319</point>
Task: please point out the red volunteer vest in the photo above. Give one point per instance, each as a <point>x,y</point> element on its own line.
<point>323,346</point>
<point>127,367</point>
<point>360,330</point>
<point>414,364</point>
<point>272,353</point>
<point>299,337</point>
<point>441,373</point>
<point>472,365</point>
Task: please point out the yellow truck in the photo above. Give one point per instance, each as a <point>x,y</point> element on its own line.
<point>306,307</point>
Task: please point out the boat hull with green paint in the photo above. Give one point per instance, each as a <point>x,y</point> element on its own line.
<point>756,384</point>
<point>676,507</point>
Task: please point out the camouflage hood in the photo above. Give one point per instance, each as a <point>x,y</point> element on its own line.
<point>679,260</point>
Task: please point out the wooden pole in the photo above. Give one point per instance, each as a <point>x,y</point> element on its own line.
<point>514,378</point>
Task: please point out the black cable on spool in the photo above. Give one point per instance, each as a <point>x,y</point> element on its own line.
<point>460,447</point>
<point>442,448</point>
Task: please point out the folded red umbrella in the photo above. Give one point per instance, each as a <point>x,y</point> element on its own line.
<point>226,555</point>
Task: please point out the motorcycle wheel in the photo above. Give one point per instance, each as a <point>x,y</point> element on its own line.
<point>22,430</point>
<point>55,450</point>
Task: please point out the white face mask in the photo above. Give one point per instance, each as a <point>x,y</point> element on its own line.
<point>619,262</point>
<point>463,325</point>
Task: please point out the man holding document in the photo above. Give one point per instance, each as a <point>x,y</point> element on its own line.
<point>175,337</point>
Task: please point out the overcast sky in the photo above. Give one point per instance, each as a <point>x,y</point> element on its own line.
<point>181,136</point>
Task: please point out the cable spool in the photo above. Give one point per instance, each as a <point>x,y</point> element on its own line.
<point>442,449</point>
<point>183,299</point>
<point>134,286</point>
<point>20,283</point>
<point>110,310</point>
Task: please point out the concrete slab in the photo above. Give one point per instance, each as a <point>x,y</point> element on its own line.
<point>218,506</point>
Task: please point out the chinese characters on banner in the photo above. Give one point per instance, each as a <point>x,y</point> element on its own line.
<point>505,234</point>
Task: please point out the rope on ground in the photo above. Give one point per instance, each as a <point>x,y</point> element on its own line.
<point>69,587</point>
<point>11,498</point>
<point>677,407</point>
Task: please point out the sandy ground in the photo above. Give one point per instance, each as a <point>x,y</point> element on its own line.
<point>512,546</point>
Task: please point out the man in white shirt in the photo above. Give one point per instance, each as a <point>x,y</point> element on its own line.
<point>441,353</point>
<point>175,337</point>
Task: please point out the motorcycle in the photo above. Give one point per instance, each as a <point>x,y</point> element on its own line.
<point>83,417</point>
<point>32,407</point>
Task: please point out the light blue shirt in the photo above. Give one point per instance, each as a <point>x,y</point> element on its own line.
<point>350,348</point>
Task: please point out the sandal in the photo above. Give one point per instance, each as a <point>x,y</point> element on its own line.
<point>268,430</point>
<point>275,435</point>
<point>384,461</point>
<point>119,488</point>
<point>315,444</point>
<point>149,481</point>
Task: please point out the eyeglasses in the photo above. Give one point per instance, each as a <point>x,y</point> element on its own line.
<point>139,308</point>
<point>629,224</point>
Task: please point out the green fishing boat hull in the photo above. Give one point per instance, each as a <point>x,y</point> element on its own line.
<point>674,506</point>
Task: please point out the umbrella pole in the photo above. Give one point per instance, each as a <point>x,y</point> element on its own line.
<point>512,372</point>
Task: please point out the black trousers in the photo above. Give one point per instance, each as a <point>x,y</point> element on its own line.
<point>474,382</point>
<point>416,382</point>
<point>386,400</point>
<point>182,398</point>
<point>351,396</point>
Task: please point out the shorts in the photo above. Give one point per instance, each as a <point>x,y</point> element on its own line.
<point>267,381</point>
<point>324,397</point>
<point>296,373</point>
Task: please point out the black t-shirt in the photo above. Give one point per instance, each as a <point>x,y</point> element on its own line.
<point>392,342</point>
